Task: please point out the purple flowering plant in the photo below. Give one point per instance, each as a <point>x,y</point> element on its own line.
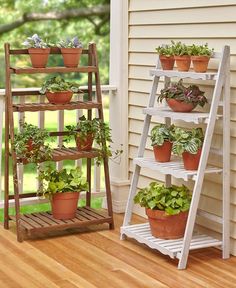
<point>70,43</point>
<point>191,94</point>
<point>35,42</point>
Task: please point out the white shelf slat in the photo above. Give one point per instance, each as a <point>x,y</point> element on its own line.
<point>179,74</point>
<point>175,168</point>
<point>142,234</point>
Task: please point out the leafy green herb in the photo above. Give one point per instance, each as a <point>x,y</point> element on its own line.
<point>200,50</point>
<point>165,50</point>
<point>179,48</point>
<point>161,133</point>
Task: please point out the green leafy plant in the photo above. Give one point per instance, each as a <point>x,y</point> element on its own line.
<point>179,48</point>
<point>191,94</point>
<point>187,141</point>
<point>172,200</point>
<point>29,144</point>
<point>166,50</point>
<point>200,50</point>
<point>161,133</point>
<point>35,42</point>
<point>70,43</point>
<point>57,83</point>
<point>54,181</point>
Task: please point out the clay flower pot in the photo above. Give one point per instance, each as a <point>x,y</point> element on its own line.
<point>167,226</point>
<point>183,62</point>
<point>167,63</point>
<point>200,63</point>
<point>191,161</point>
<point>71,56</point>
<point>64,205</point>
<point>61,97</point>
<point>163,153</point>
<point>84,144</point>
<point>39,57</point>
<point>180,106</point>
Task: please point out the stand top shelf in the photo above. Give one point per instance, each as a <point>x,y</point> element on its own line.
<point>180,74</point>
<point>30,70</point>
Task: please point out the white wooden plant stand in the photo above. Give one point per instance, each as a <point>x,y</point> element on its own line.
<point>179,248</point>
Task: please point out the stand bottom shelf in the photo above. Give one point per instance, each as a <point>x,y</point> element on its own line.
<point>44,221</point>
<point>142,233</point>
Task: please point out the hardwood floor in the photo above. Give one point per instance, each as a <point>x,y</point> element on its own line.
<point>97,258</point>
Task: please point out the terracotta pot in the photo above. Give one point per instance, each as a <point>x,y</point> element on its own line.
<point>200,63</point>
<point>183,62</point>
<point>163,153</point>
<point>71,56</point>
<point>64,205</point>
<point>62,97</point>
<point>180,106</point>
<point>167,63</point>
<point>167,226</point>
<point>30,147</point>
<point>84,144</point>
<point>39,57</point>
<point>191,161</point>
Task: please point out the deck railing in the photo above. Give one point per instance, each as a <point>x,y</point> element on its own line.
<point>97,187</point>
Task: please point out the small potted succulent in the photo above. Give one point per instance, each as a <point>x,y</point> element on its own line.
<point>62,188</point>
<point>200,56</point>
<point>167,209</point>
<point>58,90</point>
<point>162,137</point>
<point>166,57</point>
<point>188,143</point>
<point>71,50</point>
<point>181,98</point>
<point>30,146</point>
<point>181,55</point>
<point>38,51</point>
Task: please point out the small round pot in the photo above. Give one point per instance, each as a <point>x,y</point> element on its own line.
<point>167,63</point>
<point>163,153</point>
<point>62,97</point>
<point>183,62</point>
<point>84,144</point>
<point>200,63</point>
<point>71,56</point>
<point>39,57</point>
<point>180,106</point>
<point>191,161</point>
<point>167,226</point>
<point>64,205</point>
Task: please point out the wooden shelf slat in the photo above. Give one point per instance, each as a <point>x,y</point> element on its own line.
<point>35,107</point>
<point>31,70</point>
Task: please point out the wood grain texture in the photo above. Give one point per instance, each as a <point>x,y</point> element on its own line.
<point>97,258</point>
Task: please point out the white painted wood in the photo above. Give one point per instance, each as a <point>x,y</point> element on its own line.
<point>179,74</point>
<point>209,216</point>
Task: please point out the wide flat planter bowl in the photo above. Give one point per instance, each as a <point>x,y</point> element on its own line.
<point>62,97</point>
<point>180,106</point>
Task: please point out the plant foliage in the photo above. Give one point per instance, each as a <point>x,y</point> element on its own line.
<point>161,133</point>
<point>179,48</point>
<point>200,50</point>
<point>35,42</point>
<point>70,43</point>
<point>166,50</point>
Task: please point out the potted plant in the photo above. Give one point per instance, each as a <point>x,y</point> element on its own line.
<point>38,51</point>
<point>181,55</point>
<point>162,137</point>
<point>166,208</point>
<point>62,188</point>
<point>58,90</point>
<point>188,143</point>
<point>181,98</point>
<point>166,57</point>
<point>71,50</point>
<point>200,56</point>
<point>29,144</point>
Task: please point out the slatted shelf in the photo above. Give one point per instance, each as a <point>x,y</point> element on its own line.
<point>175,168</point>
<point>34,107</point>
<point>44,221</point>
<point>179,74</point>
<point>165,112</point>
<point>142,233</point>
<point>31,70</point>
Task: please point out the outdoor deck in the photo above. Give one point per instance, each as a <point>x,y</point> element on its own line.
<point>100,259</point>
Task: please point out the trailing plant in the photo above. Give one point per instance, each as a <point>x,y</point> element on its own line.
<point>29,144</point>
<point>57,84</point>
<point>201,50</point>
<point>54,181</point>
<point>166,50</point>
<point>187,141</point>
<point>179,48</point>
<point>172,200</point>
<point>70,43</point>
<point>161,133</point>
<point>191,94</point>
<point>35,42</point>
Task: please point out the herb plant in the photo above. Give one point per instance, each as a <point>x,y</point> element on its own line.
<point>57,83</point>
<point>53,181</point>
<point>70,43</point>
<point>187,141</point>
<point>191,94</point>
<point>200,50</point>
<point>35,42</point>
<point>179,48</point>
<point>161,133</point>
<point>172,200</point>
<point>166,50</point>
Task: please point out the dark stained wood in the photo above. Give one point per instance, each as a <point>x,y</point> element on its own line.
<point>54,50</point>
<point>30,70</point>
<point>33,91</point>
<point>25,195</point>
<point>35,107</point>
